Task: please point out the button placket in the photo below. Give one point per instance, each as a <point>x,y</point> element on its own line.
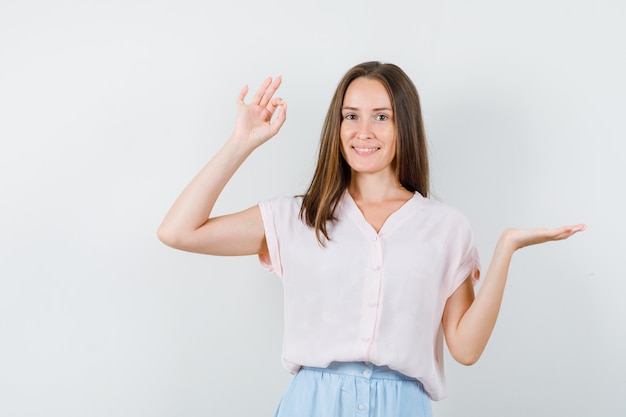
<point>372,291</point>
<point>363,391</point>
<point>362,397</point>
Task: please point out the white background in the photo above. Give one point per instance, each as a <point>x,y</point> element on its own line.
<point>107,109</point>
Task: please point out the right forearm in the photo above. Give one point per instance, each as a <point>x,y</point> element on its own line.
<point>193,206</point>
<point>187,225</point>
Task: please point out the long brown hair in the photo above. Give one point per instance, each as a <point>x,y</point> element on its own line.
<point>332,174</point>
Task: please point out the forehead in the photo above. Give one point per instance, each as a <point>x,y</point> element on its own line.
<point>366,93</point>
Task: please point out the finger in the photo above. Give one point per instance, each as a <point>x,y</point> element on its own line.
<point>242,95</point>
<point>260,94</point>
<point>273,104</point>
<point>279,120</point>
<point>577,228</point>
<point>567,231</point>
<point>270,90</point>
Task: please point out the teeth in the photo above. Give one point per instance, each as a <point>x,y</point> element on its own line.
<point>366,149</point>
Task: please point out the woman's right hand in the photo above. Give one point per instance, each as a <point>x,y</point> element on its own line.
<point>262,118</point>
<point>189,224</point>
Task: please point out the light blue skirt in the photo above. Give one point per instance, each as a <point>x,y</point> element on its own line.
<point>353,389</point>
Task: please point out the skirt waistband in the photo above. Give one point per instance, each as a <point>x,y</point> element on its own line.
<point>362,370</point>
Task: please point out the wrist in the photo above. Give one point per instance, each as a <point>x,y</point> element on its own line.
<point>507,241</point>
<point>238,147</point>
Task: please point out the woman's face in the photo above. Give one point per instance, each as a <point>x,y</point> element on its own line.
<point>368,128</point>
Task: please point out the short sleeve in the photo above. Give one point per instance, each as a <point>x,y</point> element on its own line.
<point>271,261</point>
<point>464,259</point>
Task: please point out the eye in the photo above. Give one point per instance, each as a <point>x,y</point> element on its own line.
<point>382,117</point>
<point>349,116</point>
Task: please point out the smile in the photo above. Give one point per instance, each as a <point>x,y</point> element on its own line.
<point>365,150</point>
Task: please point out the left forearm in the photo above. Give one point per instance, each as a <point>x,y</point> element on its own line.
<point>468,321</point>
<point>476,325</point>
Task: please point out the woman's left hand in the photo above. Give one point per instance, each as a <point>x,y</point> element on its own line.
<point>520,238</point>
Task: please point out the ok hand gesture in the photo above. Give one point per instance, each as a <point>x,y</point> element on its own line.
<point>263,117</point>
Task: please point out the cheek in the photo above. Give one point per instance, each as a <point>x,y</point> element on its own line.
<point>344,131</point>
<point>393,145</point>
<point>344,136</point>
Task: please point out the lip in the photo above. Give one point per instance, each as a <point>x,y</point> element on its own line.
<point>365,151</point>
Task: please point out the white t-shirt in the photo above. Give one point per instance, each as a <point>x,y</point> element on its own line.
<point>367,296</point>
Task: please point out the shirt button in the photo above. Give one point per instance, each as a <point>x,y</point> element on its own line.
<point>372,304</point>
<point>366,339</point>
<point>375,267</point>
<point>367,373</point>
<point>374,238</point>
<point>361,407</point>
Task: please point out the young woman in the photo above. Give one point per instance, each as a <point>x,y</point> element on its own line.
<point>375,272</point>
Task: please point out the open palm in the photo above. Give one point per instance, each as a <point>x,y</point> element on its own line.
<point>520,238</point>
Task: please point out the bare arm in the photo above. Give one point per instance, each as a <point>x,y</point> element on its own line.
<point>188,225</point>
<point>467,320</point>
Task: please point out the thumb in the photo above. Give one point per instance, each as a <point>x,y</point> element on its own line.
<point>279,120</point>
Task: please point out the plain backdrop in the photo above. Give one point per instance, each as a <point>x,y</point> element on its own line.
<point>108,108</point>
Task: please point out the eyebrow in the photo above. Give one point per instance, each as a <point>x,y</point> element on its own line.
<point>356,108</point>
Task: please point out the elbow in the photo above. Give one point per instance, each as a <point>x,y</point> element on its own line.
<point>468,360</point>
<point>168,236</point>
<point>465,348</point>
<point>466,357</point>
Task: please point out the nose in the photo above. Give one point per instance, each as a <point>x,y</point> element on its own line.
<point>364,129</point>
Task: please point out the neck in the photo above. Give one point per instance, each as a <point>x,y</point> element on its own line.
<point>375,187</point>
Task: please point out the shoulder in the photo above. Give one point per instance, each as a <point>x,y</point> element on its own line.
<point>441,221</point>
<point>281,208</point>
<point>439,211</point>
<point>283,201</point>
